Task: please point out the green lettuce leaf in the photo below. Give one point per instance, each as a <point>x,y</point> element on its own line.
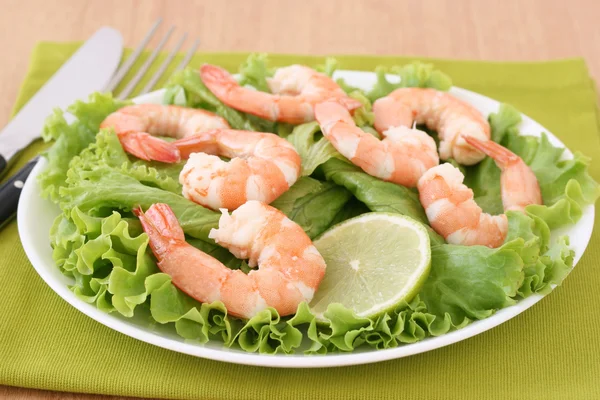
<point>107,151</point>
<point>313,147</point>
<point>363,116</point>
<point>108,263</point>
<point>102,179</point>
<point>106,188</point>
<point>506,120</point>
<point>313,204</point>
<point>254,72</point>
<point>72,138</point>
<point>376,194</point>
<point>416,74</point>
<point>472,282</point>
<point>328,67</point>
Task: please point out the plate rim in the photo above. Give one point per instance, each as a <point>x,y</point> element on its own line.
<point>31,190</point>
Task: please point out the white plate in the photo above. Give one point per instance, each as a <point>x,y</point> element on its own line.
<point>35,216</point>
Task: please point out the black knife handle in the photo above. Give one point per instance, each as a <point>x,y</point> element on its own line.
<point>10,192</point>
<point>3,165</point>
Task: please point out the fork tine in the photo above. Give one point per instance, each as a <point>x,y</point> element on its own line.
<point>188,57</point>
<point>138,76</point>
<point>118,77</point>
<point>163,67</point>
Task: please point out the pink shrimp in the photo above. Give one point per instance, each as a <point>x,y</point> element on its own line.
<point>296,89</point>
<point>401,157</point>
<point>453,213</point>
<point>440,111</point>
<point>137,125</point>
<point>262,167</point>
<point>290,268</point>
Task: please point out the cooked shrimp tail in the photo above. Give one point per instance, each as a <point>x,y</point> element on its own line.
<point>204,142</point>
<point>519,185</point>
<point>147,147</point>
<point>162,227</point>
<point>501,155</point>
<point>349,103</point>
<point>223,85</point>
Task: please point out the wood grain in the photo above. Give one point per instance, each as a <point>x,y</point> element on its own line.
<point>531,30</point>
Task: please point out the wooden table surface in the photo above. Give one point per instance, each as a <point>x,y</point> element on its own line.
<point>468,29</point>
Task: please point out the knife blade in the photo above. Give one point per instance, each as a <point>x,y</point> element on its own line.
<point>89,69</point>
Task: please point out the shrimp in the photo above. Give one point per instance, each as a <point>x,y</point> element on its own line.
<point>440,111</point>
<point>296,89</point>
<point>453,213</point>
<point>262,167</point>
<point>401,157</point>
<point>136,125</point>
<point>290,267</point>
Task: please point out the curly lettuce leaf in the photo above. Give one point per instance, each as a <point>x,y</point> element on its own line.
<point>254,72</point>
<point>363,116</point>
<point>107,151</point>
<point>313,204</point>
<point>472,282</point>
<point>109,263</point>
<point>376,194</point>
<point>313,147</point>
<point>71,138</point>
<point>416,74</point>
<point>328,67</point>
<point>107,189</point>
<point>506,120</point>
<point>101,178</point>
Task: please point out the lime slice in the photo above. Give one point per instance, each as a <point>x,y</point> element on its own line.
<point>374,262</point>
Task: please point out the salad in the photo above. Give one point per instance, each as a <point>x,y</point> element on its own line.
<point>429,280</point>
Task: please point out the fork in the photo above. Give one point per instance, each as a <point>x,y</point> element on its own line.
<point>10,191</point>
<point>128,64</point>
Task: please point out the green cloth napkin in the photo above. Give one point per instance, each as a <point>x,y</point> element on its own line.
<point>551,351</point>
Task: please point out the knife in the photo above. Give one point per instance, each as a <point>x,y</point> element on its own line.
<point>87,71</point>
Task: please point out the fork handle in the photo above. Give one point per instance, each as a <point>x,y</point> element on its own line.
<point>3,165</point>
<point>10,192</point>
